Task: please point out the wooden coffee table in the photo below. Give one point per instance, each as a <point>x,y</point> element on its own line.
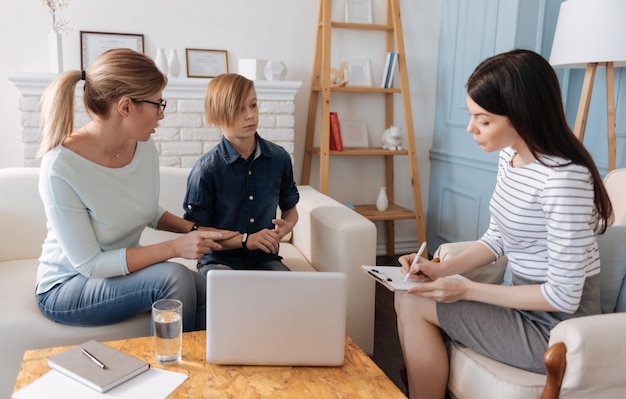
<point>359,377</point>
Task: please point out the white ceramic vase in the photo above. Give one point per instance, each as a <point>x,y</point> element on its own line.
<point>275,70</point>
<point>161,61</point>
<point>55,49</point>
<point>173,64</point>
<point>382,203</point>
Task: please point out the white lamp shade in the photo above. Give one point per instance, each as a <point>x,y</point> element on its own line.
<point>590,31</point>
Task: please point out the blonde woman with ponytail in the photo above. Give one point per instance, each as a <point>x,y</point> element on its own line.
<point>100,185</point>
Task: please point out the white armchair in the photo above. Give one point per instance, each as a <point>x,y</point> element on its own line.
<point>586,357</point>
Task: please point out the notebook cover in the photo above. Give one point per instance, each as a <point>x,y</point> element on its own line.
<point>119,366</point>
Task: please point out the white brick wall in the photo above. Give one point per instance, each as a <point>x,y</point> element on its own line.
<point>183,134</point>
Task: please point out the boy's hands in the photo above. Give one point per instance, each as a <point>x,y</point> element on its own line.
<point>267,240</point>
<point>282,227</point>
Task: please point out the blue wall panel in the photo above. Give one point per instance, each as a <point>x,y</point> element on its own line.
<point>462,176</point>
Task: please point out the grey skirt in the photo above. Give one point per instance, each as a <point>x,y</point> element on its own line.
<point>515,337</point>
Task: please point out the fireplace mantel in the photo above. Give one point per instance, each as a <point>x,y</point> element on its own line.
<point>183,135</point>
<point>34,84</point>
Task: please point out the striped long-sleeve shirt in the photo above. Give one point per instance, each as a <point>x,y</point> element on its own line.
<point>542,218</point>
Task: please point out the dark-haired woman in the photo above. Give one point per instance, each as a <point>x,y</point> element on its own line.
<point>548,204</point>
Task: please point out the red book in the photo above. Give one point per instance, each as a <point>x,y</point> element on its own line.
<point>335,133</point>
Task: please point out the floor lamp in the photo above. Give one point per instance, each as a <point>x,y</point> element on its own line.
<point>590,33</point>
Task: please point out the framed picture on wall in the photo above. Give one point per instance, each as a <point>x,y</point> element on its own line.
<point>359,11</point>
<point>92,44</point>
<point>354,134</point>
<point>206,63</point>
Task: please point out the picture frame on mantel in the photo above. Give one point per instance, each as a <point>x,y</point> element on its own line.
<point>92,44</point>
<point>206,63</point>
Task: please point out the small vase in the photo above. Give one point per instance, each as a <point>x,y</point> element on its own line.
<point>382,202</point>
<point>173,64</point>
<point>275,70</point>
<point>55,49</point>
<point>161,61</point>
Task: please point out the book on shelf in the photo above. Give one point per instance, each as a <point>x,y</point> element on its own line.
<point>391,63</point>
<point>392,70</point>
<point>97,366</point>
<point>336,144</point>
<point>383,84</point>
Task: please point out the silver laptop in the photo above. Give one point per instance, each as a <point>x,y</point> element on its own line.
<point>276,318</point>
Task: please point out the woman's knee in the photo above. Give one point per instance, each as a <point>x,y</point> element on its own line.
<point>400,301</point>
<point>177,279</point>
<point>411,306</point>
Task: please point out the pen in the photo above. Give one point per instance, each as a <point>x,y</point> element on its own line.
<point>93,358</point>
<point>419,253</point>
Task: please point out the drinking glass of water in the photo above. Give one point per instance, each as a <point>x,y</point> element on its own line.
<point>167,316</point>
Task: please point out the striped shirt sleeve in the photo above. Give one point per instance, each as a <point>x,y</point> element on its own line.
<point>542,218</point>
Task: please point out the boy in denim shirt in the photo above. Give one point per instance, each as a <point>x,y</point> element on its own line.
<point>239,184</point>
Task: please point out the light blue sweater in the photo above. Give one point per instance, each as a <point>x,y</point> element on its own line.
<point>94,213</point>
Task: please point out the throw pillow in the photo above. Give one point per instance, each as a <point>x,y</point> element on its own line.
<point>612,247</point>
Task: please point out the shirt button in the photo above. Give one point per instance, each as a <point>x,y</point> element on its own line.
<point>249,173</point>
<point>251,220</point>
<point>251,197</point>
<point>189,206</point>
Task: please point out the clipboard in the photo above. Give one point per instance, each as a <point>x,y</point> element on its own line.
<point>393,278</point>
<point>389,276</point>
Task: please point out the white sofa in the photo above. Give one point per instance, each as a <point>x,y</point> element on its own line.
<point>327,237</point>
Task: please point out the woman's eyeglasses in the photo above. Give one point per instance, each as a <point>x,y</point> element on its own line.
<point>160,105</point>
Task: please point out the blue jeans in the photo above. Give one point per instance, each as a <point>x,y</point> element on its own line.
<point>83,301</point>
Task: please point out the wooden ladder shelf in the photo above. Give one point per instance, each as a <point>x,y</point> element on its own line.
<point>321,90</point>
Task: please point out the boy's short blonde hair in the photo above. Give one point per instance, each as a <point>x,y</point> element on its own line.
<point>224,98</point>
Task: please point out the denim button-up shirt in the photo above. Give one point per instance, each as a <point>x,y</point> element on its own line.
<point>229,192</point>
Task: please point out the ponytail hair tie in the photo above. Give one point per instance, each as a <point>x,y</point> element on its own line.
<point>83,75</point>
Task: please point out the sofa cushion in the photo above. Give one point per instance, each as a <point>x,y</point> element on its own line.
<point>22,214</point>
<point>612,247</point>
<point>293,258</point>
<point>476,376</point>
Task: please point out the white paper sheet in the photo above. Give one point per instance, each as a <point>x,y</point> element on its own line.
<point>154,383</point>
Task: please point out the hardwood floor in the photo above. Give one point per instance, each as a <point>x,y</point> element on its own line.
<point>387,353</point>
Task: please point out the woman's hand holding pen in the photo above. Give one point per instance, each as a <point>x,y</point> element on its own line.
<point>415,269</point>
<point>410,264</point>
<point>439,289</point>
<point>418,268</point>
